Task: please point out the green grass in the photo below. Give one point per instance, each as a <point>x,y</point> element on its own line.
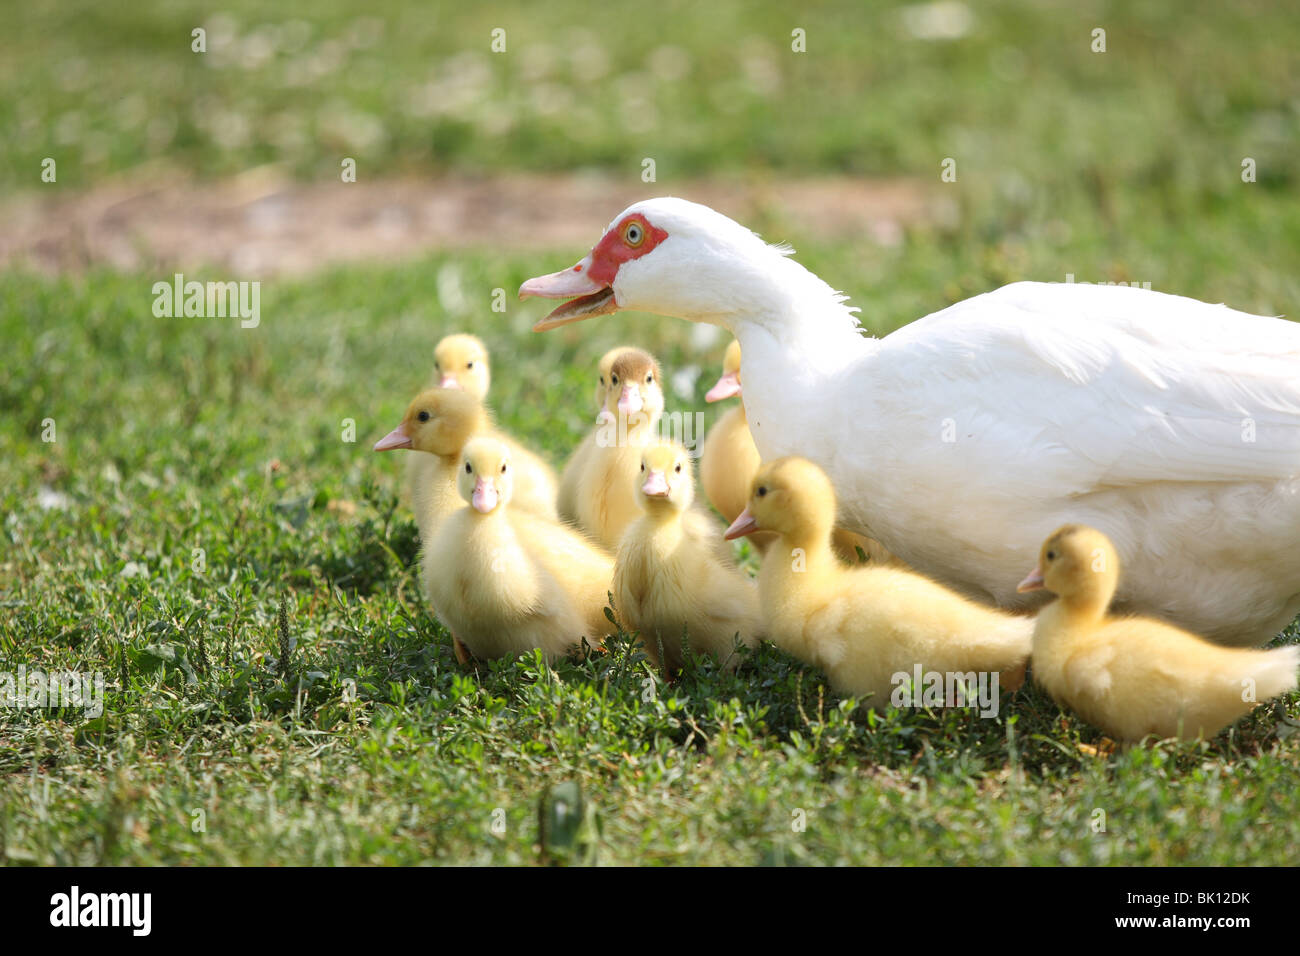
<point>166,431</point>
<point>183,434</point>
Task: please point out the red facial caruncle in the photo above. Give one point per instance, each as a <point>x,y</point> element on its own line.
<point>630,239</point>
<point>589,284</point>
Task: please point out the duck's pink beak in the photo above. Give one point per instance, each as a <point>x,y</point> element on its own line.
<point>1032,582</point>
<point>656,485</point>
<point>744,524</point>
<point>397,438</point>
<point>728,386</point>
<point>629,403</point>
<point>448,382</point>
<point>485,497</point>
<point>588,296</point>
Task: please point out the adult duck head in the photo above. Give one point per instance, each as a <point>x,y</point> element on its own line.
<point>674,257</point>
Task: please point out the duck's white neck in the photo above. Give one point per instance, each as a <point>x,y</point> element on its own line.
<point>785,298</point>
<point>798,343</point>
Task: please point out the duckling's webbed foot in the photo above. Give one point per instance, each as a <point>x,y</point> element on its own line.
<point>1013,678</point>
<point>463,656</point>
<point>1104,748</point>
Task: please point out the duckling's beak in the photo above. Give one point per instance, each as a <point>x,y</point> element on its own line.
<point>593,298</point>
<point>484,498</point>
<point>397,438</point>
<point>448,382</point>
<point>744,524</point>
<point>727,386</point>
<point>629,403</point>
<point>1032,582</point>
<point>656,485</point>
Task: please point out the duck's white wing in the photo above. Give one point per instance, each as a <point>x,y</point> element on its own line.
<point>1068,388</point>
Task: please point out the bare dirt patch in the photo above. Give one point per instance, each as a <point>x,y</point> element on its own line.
<point>260,224</point>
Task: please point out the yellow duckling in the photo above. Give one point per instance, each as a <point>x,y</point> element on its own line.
<point>607,500</point>
<point>438,422</point>
<point>729,460</point>
<point>603,369</point>
<point>1135,676</point>
<point>504,583</point>
<point>567,499</point>
<point>865,626</point>
<point>668,577</point>
<point>461,361</point>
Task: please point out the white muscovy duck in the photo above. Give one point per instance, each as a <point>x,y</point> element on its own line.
<point>963,439</point>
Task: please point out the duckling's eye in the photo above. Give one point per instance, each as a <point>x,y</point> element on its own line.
<point>633,234</point>
<point>649,379</point>
<point>469,365</point>
<point>469,470</point>
<point>503,468</point>
<point>1051,555</point>
<point>613,380</point>
<point>602,380</point>
<point>643,466</point>
<point>678,469</point>
<point>762,491</point>
<point>423,416</point>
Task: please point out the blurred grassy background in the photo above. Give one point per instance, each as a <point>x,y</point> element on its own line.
<point>1127,152</point>
<point>183,433</point>
<point>1183,91</point>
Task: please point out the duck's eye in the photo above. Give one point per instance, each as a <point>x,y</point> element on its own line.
<point>649,379</point>
<point>613,380</point>
<point>503,468</point>
<point>602,381</point>
<point>633,234</point>
<point>423,416</point>
<point>1051,555</point>
<point>469,470</point>
<point>762,491</point>
<point>643,466</point>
